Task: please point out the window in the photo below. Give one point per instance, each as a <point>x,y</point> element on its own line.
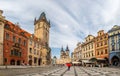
<point>7,36</point>
<point>15,53</point>
<point>24,43</point>
<point>119,41</point>
<point>7,26</point>
<point>20,54</point>
<point>105,51</point>
<point>98,53</point>
<point>14,39</point>
<point>101,52</point>
<point>12,52</point>
<point>19,40</point>
<point>101,44</point>
<point>113,48</point>
<point>30,42</point>
<point>92,54</point>
<point>34,44</point>
<point>35,51</point>
<point>30,50</point>
<point>35,60</point>
<point>38,52</point>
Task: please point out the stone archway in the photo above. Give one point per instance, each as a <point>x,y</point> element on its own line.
<point>115,61</point>
<point>12,62</point>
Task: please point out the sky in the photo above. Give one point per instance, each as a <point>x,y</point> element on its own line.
<point>71,20</point>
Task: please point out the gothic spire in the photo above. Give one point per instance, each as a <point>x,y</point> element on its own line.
<point>35,20</point>
<point>62,49</point>
<point>67,49</point>
<point>42,16</point>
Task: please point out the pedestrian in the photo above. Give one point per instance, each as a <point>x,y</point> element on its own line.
<point>68,65</point>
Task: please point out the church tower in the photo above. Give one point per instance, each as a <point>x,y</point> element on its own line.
<point>41,29</point>
<point>67,51</point>
<point>62,53</point>
<point>2,22</point>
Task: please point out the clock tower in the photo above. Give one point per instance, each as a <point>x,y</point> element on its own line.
<point>41,31</point>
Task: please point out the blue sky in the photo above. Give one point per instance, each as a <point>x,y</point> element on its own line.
<point>71,20</point>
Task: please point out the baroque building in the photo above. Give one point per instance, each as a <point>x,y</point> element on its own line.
<point>101,45</point>
<point>15,44</point>
<point>88,48</point>
<point>77,53</point>
<point>34,50</point>
<point>64,56</point>
<point>114,45</point>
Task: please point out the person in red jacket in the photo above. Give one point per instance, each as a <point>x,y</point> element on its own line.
<point>68,65</point>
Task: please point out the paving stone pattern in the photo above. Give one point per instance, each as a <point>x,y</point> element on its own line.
<point>74,71</point>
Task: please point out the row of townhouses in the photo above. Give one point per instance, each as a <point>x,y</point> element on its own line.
<point>105,47</point>
<point>19,47</point>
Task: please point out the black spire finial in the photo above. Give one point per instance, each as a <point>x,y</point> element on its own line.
<point>62,48</point>
<point>67,49</point>
<point>42,15</point>
<point>35,20</point>
<point>49,22</point>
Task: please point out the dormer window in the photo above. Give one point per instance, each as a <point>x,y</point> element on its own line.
<point>7,26</point>
<point>22,33</point>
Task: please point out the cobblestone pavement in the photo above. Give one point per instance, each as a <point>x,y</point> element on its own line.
<point>62,71</point>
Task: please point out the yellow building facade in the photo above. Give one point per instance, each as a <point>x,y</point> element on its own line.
<point>34,51</point>
<point>77,53</point>
<point>88,48</point>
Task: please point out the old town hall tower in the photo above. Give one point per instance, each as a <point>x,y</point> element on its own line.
<point>41,31</point>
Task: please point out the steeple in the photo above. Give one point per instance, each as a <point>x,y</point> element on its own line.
<point>35,20</point>
<point>42,16</point>
<point>67,49</point>
<point>62,49</point>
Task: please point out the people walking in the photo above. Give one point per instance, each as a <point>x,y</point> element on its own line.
<point>68,65</point>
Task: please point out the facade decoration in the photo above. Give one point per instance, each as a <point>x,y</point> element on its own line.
<point>114,45</point>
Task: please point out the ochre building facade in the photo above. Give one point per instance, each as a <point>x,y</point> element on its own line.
<point>101,45</point>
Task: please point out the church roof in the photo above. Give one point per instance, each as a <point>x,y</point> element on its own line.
<point>62,49</point>
<point>42,18</point>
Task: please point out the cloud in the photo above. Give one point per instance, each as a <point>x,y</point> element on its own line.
<point>71,21</point>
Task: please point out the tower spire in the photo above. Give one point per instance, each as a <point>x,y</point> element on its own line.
<point>35,20</point>
<point>42,16</point>
<point>62,48</point>
<point>67,49</point>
